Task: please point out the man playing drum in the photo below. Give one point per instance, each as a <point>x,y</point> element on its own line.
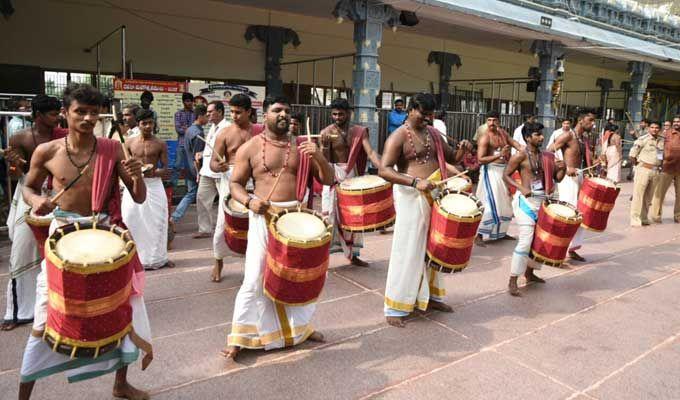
<point>346,147</point>
<point>420,155</point>
<point>493,153</point>
<point>271,159</point>
<point>24,257</point>
<point>148,222</point>
<point>228,140</point>
<point>63,160</point>
<point>577,153</point>
<point>527,200</point>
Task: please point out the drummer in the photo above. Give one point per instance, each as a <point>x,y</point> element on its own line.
<point>414,148</point>
<point>527,200</point>
<point>578,153</point>
<point>228,140</point>
<point>347,147</point>
<point>24,257</point>
<point>63,159</point>
<point>272,160</point>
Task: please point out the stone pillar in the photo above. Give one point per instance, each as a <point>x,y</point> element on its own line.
<point>445,61</point>
<point>369,16</point>
<point>548,52</point>
<point>640,72</point>
<point>605,86</point>
<point>274,38</point>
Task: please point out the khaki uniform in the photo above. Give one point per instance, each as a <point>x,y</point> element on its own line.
<point>648,151</point>
<point>670,175</point>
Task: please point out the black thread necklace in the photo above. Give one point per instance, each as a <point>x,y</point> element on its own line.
<point>68,153</point>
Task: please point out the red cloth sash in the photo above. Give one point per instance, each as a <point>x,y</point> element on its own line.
<point>439,147</point>
<point>256,129</point>
<point>303,175</point>
<point>548,160</point>
<point>357,154</point>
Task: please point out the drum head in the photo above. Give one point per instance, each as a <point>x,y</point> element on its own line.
<point>457,183</point>
<point>362,182</point>
<point>236,206</point>
<point>459,204</point>
<point>562,210</point>
<point>300,226</point>
<point>603,182</point>
<point>90,246</point>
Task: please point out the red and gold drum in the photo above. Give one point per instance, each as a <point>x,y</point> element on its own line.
<point>235,225</point>
<point>453,226</point>
<point>517,178</point>
<point>365,203</point>
<point>460,183</point>
<point>89,282</point>
<point>557,224</point>
<point>595,201</point>
<point>297,257</point>
<point>40,226</point>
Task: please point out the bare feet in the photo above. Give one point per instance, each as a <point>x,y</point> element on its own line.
<point>479,241</point>
<point>171,233</point>
<point>396,321</point>
<point>512,287</point>
<point>8,326</point>
<point>127,391</point>
<point>576,257</point>
<point>530,277</point>
<point>201,235</point>
<point>439,306</point>
<point>230,352</point>
<point>317,336</point>
<point>169,264</point>
<point>216,275</point>
<point>358,262</point>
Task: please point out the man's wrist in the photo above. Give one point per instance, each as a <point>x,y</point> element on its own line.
<point>247,203</point>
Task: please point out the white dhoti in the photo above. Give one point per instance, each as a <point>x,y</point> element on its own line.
<point>40,361</point>
<point>259,322</point>
<point>148,223</point>
<point>526,215</point>
<point>24,263</point>
<point>348,243</point>
<point>568,190</point>
<point>410,283</point>
<point>497,202</point>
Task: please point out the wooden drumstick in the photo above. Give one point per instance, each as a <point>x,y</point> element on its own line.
<point>219,157</point>
<point>451,177</point>
<point>276,182</point>
<point>57,196</point>
<point>591,167</point>
<point>2,152</point>
<point>309,131</point>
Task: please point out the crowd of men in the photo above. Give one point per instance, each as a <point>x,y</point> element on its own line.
<point>260,165</point>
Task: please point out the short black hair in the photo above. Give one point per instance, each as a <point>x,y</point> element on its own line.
<point>492,114</point>
<point>43,103</point>
<point>219,106</point>
<point>653,123</point>
<point>527,117</point>
<point>133,108</point>
<point>340,104</point>
<point>611,127</point>
<point>200,110</point>
<point>529,128</point>
<point>187,96</point>
<point>422,102</point>
<point>142,114</point>
<point>82,93</point>
<point>241,100</point>
<point>146,95</point>
<point>269,100</point>
<point>297,115</point>
<point>647,121</point>
<point>582,114</point>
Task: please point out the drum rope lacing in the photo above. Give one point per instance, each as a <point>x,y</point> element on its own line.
<point>426,144</point>
<point>68,153</point>
<point>285,161</point>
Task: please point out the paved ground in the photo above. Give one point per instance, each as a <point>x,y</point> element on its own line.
<point>607,329</point>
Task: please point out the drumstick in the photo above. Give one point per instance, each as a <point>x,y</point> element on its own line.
<point>309,131</point>
<point>219,157</point>
<point>2,152</point>
<point>276,182</point>
<point>591,167</point>
<point>57,196</point>
<point>451,177</point>
<point>330,135</point>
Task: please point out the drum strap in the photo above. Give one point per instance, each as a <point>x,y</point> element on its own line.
<point>357,154</point>
<point>548,161</point>
<point>439,147</point>
<point>303,175</point>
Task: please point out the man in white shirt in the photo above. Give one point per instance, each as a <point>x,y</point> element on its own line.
<point>439,124</point>
<point>517,134</point>
<point>209,181</point>
<point>565,128</point>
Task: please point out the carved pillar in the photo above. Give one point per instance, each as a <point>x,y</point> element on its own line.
<point>445,61</point>
<point>368,16</point>
<point>274,38</point>
<point>605,86</point>
<point>548,52</point>
<point>640,72</point>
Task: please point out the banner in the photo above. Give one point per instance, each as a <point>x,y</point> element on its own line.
<point>167,99</point>
<point>224,91</point>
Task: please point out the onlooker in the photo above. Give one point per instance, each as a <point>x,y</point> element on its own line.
<point>670,173</point>
<point>296,121</point>
<point>130,119</point>
<point>145,100</point>
<point>184,118</point>
<point>564,129</point>
<point>439,124</point>
<point>200,100</point>
<point>209,181</point>
<point>396,117</point>
<point>103,125</point>
<point>611,152</point>
<point>18,122</point>
<point>517,134</point>
<point>645,154</point>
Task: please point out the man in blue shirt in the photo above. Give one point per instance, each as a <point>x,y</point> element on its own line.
<point>396,117</point>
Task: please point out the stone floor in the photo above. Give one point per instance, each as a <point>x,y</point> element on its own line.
<point>605,329</point>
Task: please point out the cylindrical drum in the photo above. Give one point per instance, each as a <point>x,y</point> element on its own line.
<point>595,201</point>
<point>89,282</point>
<point>40,226</point>
<point>365,203</point>
<point>460,183</point>
<point>453,226</point>
<point>297,257</point>
<point>557,224</point>
<point>517,178</point>
<point>235,225</point>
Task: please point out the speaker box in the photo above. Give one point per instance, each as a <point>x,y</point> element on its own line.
<point>408,18</point>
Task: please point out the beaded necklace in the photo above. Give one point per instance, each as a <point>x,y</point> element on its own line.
<point>426,145</point>
<point>68,153</point>
<point>264,162</point>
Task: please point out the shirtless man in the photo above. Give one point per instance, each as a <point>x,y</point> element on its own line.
<point>24,259</point>
<point>148,222</point>
<point>413,149</point>
<point>577,154</point>
<point>336,143</point>
<point>228,140</point>
<point>493,153</point>
<point>63,160</point>
<point>271,160</point>
<point>527,200</point>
